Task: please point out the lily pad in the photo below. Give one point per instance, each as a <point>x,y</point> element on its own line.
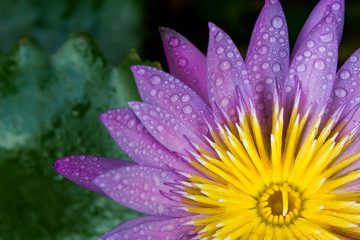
<point>48,109</point>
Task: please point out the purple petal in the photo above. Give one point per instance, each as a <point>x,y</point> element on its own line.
<point>226,71</point>
<point>133,138</point>
<point>346,86</point>
<point>83,169</point>
<point>165,127</point>
<point>185,61</point>
<point>171,229</point>
<point>267,59</point>
<point>130,224</point>
<point>139,188</point>
<point>314,67</point>
<point>163,90</point>
<point>338,9</point>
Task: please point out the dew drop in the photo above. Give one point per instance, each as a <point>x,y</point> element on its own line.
<point>185,98</point>
<point>220,50</point>
<point>174,98</point>
<point>283,54</point>
<point>153,92</point>
<point>276,67</point>
<point>322,49</point>
<point>219,36</point>
<point>353,58</point>
<point>328,37</point>
<point>167,228</point>
<point>182,62</point>
<point>344,74</point>
<point>174,42</point>
<point>307,54</point>
<point>260,87</point>
<point>160,128</point>
<point>218,81</point>
<point>155,80</point>
<point>272,39</point>
<point>224,65</point>
<point>230,54</point>
<point>260,106</point>
<point>263,49</point>
<point>187,109</point>
<point>288,89</point>
<point>319,64</point>
<point>269,80</point>
<point>224,101</point>
<point>336,6</point>
<point>265,65</point>
<point>340,92</point>
<point>301,67</point>
<point>140,71</point>
<point>277,22</point>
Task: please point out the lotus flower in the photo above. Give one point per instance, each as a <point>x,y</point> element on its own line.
<point>223,148</point>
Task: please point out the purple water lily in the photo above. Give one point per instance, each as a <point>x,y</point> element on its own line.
<point>223,148</point>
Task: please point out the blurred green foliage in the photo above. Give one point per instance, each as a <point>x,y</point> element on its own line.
<point>48,109</point>
<point>115,24</point>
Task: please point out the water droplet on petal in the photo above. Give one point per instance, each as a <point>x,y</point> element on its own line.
<point>322,48</point>
<point>220,50</point>
<point>283,54</point>
<point>224,101</point>
<point>140,71</point>
<point>167,228</point>
<point>328,37</point>
<point>277,22</point>
<point>187,109</point>
<point>336,6</point>
<point>340,92</point>
<point>353,58</point>
<point>218,81</point>
<point>260,87</point>
<point>269,80</point>
<point>344,74</point>
<point>307,54</point>
<point>182,62</point>
<point>260,106</point>
<point>174,98</point>
<point>155,80</point>
<point>174,42</point>
<point>153,92</point>
<point>288,89</point>
<point>276,67</point>
<point>224,65</point>
<point>185,98</point>
<point>160,128</point>
<point>219,36</point>
<point>263,49</point>
<point>301,67</point>
<point>265,65</point>
<point>319,64</point>
<point>230,54</point>
<point>310,44</point>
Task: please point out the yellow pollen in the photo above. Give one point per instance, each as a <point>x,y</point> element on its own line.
<point>283,185</point>
<point>279,203</point>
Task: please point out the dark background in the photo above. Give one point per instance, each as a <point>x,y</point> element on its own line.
<point>35,202</point>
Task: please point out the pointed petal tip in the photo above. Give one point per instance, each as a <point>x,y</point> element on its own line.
<point>165,30</point>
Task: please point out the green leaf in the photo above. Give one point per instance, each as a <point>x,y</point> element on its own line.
<point>115,24</point>
<point>48,109</point>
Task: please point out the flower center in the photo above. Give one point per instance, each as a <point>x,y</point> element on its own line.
<point>279,204</point>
